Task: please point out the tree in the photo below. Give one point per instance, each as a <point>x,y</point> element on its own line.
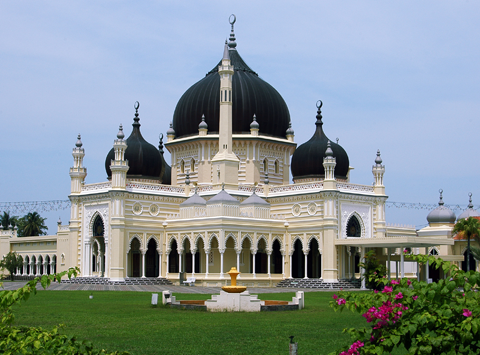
<point>8,221</point>
<point>373,270</point>
<point>33,225</point>
<point>470,227</point>
<point>11,262</point>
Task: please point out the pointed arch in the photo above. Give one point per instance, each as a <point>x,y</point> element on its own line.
<point>294,240</point>
<point>277,237</point>
<point>235,242</point>
<point>92,223</point>
<point>433,251</point>
<point>182,241</point>
<point>247,236</point>
<point>317,238</point>
<point>135,236</point>
<point>170,240</point>
<point>259,239</point>
<point>351,228</point>
<point>154,237</point>
<point>210,239</point>
<point>197,238</point>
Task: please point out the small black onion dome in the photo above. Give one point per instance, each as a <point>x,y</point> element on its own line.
<point>250,95</point>
<point>307,161</point>
<point>290,130</point>
<point>79,143</point>
<point>469,212</point>
<point>144,160</point>
<point>441,214</point>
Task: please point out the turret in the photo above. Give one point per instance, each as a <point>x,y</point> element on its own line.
<point>119,166</point>
<point>329,163</point>
<point>378,170</point>
<point>77,172</point>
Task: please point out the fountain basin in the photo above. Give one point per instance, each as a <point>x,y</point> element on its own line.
<point>234,289</point>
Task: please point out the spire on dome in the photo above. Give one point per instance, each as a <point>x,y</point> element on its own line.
<point>120,134</point>
<point>232,44</point>
<point>290,130</point>
<point>136,118</point>
<point>254,124</point>
<point>441,203</point>
<point>319,113</point>
<point>226,55</point>
<point>79,143</point>
<point>470,204</point>
<point>171,131</point>
<point>160,143</point>
<point>203,124</point>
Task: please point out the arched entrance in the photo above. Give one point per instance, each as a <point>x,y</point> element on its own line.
<point>173,257</point>
<point>314,261</point>
<point>98,247</point>
<point>47,265</point>
<point>27,265</point>
<point>276,258</point>
<point>34,265</point>
<point>298,260</point>
<point>151,259</point>
<point>354,229</point>
<point>135,258</point>
<point>261,258</point>
<point>433,273</point>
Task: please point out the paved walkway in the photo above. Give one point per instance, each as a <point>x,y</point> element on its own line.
<point>153,288</point>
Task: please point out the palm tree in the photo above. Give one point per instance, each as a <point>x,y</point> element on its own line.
<point>470,227</point>
<point>8,221</point>
<point>33,225</point>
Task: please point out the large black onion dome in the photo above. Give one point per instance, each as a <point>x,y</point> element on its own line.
<point>144,160</point>
<point>307,161</point>
<point>441,214</point>
<point>251,95</point>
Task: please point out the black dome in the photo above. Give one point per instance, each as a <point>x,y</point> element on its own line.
<point>144,160</point>
<point>251,95</point>
<point>307,161</point>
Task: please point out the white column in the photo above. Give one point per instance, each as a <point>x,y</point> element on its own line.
<point>206,262</point>
<point>105,264</point>
<point>268,263</point>
<point>402,264</point>
<point>238,263</point>
<point>427,273</point>
<point>24,269</point>
<point>143,263</point>
<point>254,274</point>
<point>88,260</point>
<point>31,268</point>
<point>159,263</point>
<point>221,262</point>
<point>362,271</point>
<point>38,269</point>
<point>193,263</point>
<point>306,264</point>
<point>180,261</point>
<point>44,268</point>
<point>283,265</point>
<point>168,264</point>
<point>290,276</point>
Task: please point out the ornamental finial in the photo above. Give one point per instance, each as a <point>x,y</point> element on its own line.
<point>232,44</point>
<point>319,113</point>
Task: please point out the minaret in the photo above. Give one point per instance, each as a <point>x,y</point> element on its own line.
<point>329,163</point>
<point>77,172</point>
<point>378,170</point>
<point>119,166</point>
<point>225,161</point>
<point>379,189</point>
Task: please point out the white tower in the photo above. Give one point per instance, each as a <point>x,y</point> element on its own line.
<point>329,163</point>
<point>119,166</point>
<point>77,172</point>
<point>225,161</point>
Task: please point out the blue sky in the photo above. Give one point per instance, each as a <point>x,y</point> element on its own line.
<point>402,77</point>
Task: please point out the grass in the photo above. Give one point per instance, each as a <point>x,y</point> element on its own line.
<point>127,321</point>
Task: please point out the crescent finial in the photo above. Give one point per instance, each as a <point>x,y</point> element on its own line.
<point>234,19</point>
<point>136,105</point>
<point>319,104</point>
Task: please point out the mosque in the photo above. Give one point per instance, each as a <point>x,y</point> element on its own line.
<point>226,199</point>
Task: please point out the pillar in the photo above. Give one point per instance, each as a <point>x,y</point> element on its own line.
<point>221,262</point>
<point>143,263</point>
<point>254,274</point>
<point>193,262</point>
<point>306,264</point>
<point>207,252</point>
<point>269,252</point>
<point>362,271</point>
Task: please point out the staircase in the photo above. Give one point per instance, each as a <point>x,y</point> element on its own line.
<point>130,281</point>
<point>320,284</point>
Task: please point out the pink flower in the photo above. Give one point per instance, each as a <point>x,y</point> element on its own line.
<point>467,313</point>
<point>415,297</point>
<point>395,282</point>
<point>376,291</point>
<point>405,251</point>
<point>335,297</point>
<point>387,289</point>
<point>399,296</point>
<point>409,282</point>
<point>340,301</point>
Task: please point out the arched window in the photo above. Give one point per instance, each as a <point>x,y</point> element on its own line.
<point>353,228</point>
<point>192,165</point>
<point>182,167</point>
<point>277,167</point>
<point>265,165</point>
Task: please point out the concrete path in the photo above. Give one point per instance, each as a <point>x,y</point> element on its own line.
<point>8,285</point>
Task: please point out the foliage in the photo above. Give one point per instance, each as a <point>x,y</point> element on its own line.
<point>440,318</point>
<point>33,225</point>
<point>11,262</point>
<point>34,340</point>
<point>470,227</point>
<point>8,221</point>
<point>374,270</point>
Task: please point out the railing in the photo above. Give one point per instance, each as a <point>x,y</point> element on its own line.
<point>156,188</point>
<point>98,186</point>
<point>297,187</point>
<point>345,186</point>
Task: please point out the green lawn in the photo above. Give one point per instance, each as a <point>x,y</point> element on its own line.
<point>127,321</point>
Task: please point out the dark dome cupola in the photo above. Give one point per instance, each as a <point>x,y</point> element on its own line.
<point>307,161</point>
<point>250,95</point>
<point>144,160</point>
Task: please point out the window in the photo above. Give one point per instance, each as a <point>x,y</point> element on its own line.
<point>265,164</point>
<point>182,167</point>
<point>277,167</point>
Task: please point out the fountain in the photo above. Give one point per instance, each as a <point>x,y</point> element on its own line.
<point>233,288</point>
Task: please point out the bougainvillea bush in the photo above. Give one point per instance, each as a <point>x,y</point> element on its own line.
<point>437,318</point>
